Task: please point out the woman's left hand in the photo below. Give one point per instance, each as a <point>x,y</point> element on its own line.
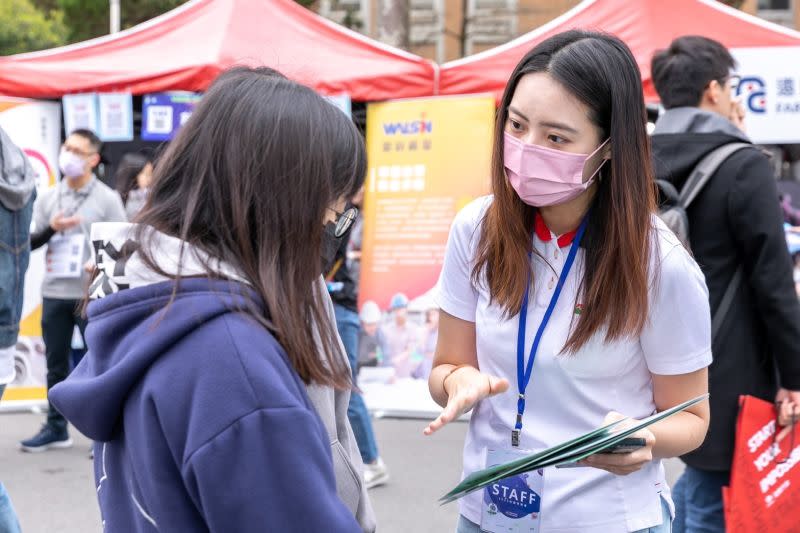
<point>622,464</point>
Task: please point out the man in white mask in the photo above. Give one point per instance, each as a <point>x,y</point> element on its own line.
<point>63,217</point>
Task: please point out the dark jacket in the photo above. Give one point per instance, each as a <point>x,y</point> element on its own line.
<point>735,220</point>
<point>201,422</point>
<point>342,285</point>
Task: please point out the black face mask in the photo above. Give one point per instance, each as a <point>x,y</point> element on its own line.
<point>330,245</point>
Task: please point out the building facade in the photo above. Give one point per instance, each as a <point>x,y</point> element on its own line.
<point>443,30</point>
<point>784,12</point>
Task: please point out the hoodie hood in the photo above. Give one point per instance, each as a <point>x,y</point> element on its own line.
<point>683,136</point>
<point>130,324</point>
<point>17,177</point>
<point>120,265</point>
<point>179,382</point>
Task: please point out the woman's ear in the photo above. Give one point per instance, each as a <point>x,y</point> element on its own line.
<point>607,152</point>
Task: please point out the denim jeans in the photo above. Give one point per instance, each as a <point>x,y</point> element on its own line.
<point>8,519</point>
<point>466,526</point>
<point>698,501</point>
<point>59,318</point>
<point>349,326</point>
<point>15,249</point>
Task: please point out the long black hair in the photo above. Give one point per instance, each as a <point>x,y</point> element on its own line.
<point>249,180</point>
<point>129,168</point>
<point>600,71</point>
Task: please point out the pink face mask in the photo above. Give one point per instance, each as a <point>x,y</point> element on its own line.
<point>543,176</point>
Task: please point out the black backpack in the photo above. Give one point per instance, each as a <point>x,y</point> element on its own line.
<point>672,210</point>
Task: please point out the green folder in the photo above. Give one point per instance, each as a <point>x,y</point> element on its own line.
<point>567,452</point>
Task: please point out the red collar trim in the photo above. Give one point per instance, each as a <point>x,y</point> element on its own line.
<point>544,234</point>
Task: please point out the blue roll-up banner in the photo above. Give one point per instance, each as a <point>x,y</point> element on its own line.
<point>163,114</point>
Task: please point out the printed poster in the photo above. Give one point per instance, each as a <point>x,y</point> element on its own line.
<point>163,114</point>
<point>34,126</point>
<point>80,112</point>
<point>427,158</point>
<point>116,117</point>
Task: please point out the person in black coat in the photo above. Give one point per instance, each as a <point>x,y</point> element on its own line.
<point>734,222</point>
<point>342,280</point>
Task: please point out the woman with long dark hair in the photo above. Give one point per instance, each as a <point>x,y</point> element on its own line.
<point>132,179</point>
<point>565,302</point>
<point>213,320</point>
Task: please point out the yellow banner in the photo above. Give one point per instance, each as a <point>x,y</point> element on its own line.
<point>427,159</point>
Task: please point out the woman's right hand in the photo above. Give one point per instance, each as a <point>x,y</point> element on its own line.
<point>465,387</point>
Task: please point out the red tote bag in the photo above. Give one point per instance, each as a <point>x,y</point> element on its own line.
<point>764,491</point>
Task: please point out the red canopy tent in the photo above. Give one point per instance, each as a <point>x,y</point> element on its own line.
<point>645,25</point>
<point>185,49</point>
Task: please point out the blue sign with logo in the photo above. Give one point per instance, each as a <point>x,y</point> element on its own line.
<point>163,114</point>
<point>753,91</point>
<point>769,91</point>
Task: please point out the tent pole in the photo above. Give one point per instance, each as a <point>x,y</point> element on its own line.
<point>114,15</point>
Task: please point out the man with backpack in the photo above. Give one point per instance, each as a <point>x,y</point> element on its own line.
<point>735,230</point>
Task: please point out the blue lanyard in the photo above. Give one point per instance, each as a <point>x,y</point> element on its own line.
<point>524,372</point>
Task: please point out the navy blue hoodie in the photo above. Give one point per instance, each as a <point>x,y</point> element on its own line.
<point>200,421</point>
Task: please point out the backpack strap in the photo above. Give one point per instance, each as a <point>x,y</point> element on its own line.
<point>725,304</point>
<point>669,193</point>
<point>694,184</point>
<point>705,169</point>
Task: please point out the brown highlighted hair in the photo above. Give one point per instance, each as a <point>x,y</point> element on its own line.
<point>600,71</point>
<point>248,180</point>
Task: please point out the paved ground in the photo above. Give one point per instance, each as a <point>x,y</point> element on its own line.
<point>54,491</point>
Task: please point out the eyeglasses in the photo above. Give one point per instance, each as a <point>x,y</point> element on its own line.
<point>344,220</point>
<point>734,79</point>
<point>76,151</point>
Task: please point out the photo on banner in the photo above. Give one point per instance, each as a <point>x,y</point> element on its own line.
<point>427,159</point>
<point>34,126</point>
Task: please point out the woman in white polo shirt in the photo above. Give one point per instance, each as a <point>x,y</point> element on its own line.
<point>569,242</point>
